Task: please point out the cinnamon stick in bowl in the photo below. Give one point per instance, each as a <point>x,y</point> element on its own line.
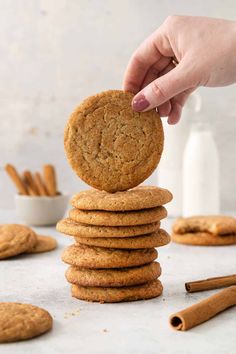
<point>204,310</point>
<point>30,183</point>
<point>210,283</point>
<point>49,175</point>
<point>34,185</point>
<point>40,185</point>
<point>15,177</point>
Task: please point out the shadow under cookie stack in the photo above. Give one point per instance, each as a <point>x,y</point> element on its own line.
<point>113,258</point>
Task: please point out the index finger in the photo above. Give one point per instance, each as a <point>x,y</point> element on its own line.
<point>147,54</point>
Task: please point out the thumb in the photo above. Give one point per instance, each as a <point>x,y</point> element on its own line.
<point>162,89</point>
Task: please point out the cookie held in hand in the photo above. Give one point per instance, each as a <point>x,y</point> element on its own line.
<point>111,147</point>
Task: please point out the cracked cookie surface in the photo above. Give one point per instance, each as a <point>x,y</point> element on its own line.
<point>122,218</point>
<point>113,277</point>
<point>214,224</point>
<point>155,239</point>
<point>127,293</point>
<point>204,239</point>
<point>142,197</point>
<point>98,257</point>
<point>110,146</point>
<point>22,321</point>
<point>44,244</point>
<point>73,228</point>
<point>16,239</point>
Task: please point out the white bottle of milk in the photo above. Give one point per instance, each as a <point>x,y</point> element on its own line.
<point>201,192</point>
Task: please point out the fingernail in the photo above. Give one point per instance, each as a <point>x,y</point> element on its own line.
<point>140,103</point>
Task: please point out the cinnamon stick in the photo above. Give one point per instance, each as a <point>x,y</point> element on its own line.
<point>204,310</point>
<point>210,283</point>
<point>13,174</point>
<point>50,179</point>
<point>40,185</point>
<point>30,183</point>
<point>29,190</point>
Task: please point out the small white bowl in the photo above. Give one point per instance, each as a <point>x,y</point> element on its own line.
<point>41,211</point>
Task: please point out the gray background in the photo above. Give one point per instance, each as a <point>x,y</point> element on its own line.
<point>53,53</point>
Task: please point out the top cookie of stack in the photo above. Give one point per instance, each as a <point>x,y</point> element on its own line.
<point>110,146</point>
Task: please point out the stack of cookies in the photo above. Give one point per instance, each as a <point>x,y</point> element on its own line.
<point>212,230</point>
<point>113,258</point>
<point>116,228</point>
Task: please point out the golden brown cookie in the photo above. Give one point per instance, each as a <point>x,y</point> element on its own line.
<point>97,257</point>
<point>113,277</point>
<point>72,228</point>
<point>142,197</point>
<point>22,321</point>
<point>44,244</point>
<point>155,239</point>
<point>110,146</point>
<point>118,218</point>
<point>128,293</point>
<point>15,239</point>
<point>214,224</point>
<point>204,239</point>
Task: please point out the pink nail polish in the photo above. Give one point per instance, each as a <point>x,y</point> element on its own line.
<point>140,103</point>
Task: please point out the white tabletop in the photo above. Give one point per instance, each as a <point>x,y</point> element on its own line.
<point>137,327</point>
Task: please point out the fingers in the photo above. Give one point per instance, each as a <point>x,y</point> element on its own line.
<point>148,53</point>
<point>175,113</point>
<point>162,89</point>
<point>173,108</point>
<point>156,70</point>
<point>177,104</point>
<point>164,66</point>
<point>164,109</point>
<point>138,66</point>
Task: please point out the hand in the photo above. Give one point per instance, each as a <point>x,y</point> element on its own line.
<point>182,54</point>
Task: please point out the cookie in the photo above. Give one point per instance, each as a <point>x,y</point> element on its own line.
<point>142,197</point>
<point>43,244</point>
<point>155,239</point>
<point>72,228</point>
<point>108,294</point>
<point>204,239</point>
<point>22,321</point>
<point>113,277</point>
<point>214,224</point>
<point>111,147</point>
<point>119,218</point>
<point>16,239</point>
<point>97,257</point>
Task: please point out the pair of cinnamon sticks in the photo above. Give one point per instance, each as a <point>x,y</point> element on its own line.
<point>34,184</point>
<point>209,307</point>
